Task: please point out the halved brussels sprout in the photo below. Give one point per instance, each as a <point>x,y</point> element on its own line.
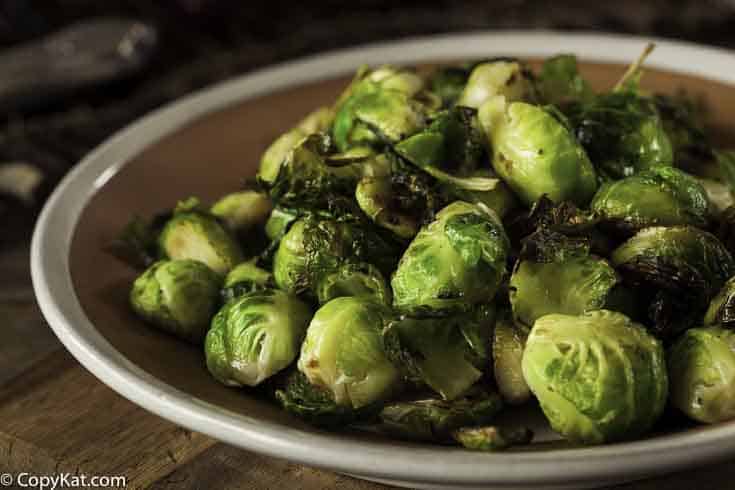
<point>509,340</point>
<point>721,310</point>
<point>456,261</point>
<point>560,81</point>
<point>270,163</point>
<point>572,284</point>
<point>622,133</point>
<point>663,196</point>
<point>246,278</point>
<point>447,354</point>
<point>178,296</point>
<point>506,78</point>
<point>343,352</point>
<point>535,153</point>
<point>242,210</point>
<point>599,377</point>
<point>702,372</point>
<point>195,234</point>
<point>254,336</point>
<point>434,420</point>
<point>354,279</point>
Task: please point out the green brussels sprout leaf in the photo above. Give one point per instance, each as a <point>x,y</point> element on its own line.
<point>492,438</point>
<point>560,81</point>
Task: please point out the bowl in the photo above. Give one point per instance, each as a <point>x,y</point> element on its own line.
<point>204,145</point>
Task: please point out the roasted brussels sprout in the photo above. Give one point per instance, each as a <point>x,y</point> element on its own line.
<point>535,153</point>
<point>378,109</point>
<point>683,266</point>
<point>492,438</point>
<point>509,340</point>
<point>246,278</point>
<point>354,279</point>
<point>572,284</point>
<point>243,210</point>
<point>434,420</point>
<point>343,352</point>
<point>456,261</point>
<point>254,336</point>
<point>195,234</point>
<point>447,354</point>
<point>270,162</point>
<point>721,309</point>
<point>289,263</point>
<point>178,296</point>
<point>560,81</point>
<point>505,78</point>
<point>702,372</point>
<point>659,196</point>
<point>622,133</point>
<point>599,377</point>
<point>314,249</point>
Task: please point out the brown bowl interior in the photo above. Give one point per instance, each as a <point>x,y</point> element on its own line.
<point>208,158</point>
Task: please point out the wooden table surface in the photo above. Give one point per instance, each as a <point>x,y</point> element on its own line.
<point>55,417</point>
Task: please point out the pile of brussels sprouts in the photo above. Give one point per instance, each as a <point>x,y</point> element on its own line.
<point>434,249</point>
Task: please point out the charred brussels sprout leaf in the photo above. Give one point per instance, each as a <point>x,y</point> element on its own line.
<point>683,266</point>
<point>450,150</point>
<point>682,119</point>
<point>434,420</point>
<point>492,438</point>
<point>599,377</point>
<point>246,278</point>
<point>456,261</point>
<point>702,372</point>
<point>509,340</point>
<point>721,309</point>
<point>496,78</point>
<point>535,153</point>
<point>271,161</point>
<point>622,133</point>
<point>447,354</point>
<point>315,405</point>
<point>254,336</point>
<point>560,81</point>
<point>343,352</point>
<point>306,180</point>
<point>178,296</point>
<point>662,196</point>
<point>193,233</point>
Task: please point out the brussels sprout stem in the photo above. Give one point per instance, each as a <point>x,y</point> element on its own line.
<point>634,69</point>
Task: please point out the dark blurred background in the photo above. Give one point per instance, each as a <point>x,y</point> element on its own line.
<point>202,41</point>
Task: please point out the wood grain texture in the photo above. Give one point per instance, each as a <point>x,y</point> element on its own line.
<point>58,418</point>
